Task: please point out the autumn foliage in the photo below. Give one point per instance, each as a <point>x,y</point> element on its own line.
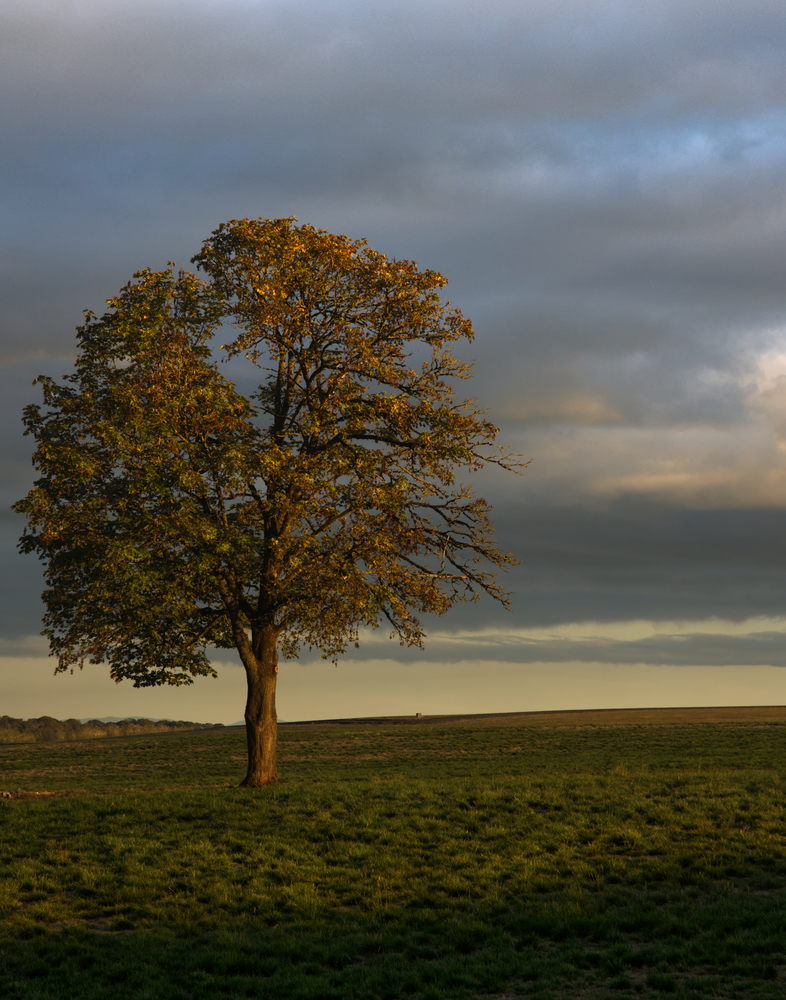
<point>174,513</point>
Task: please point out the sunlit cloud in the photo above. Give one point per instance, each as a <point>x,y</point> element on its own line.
<point>757,641</point>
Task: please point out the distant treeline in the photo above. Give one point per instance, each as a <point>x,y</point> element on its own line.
<point>49,730</point>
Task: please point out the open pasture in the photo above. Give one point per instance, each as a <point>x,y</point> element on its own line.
<point>584,856</point>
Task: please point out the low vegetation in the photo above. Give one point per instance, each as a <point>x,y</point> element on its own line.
<point>49,730</point>
<point>473,859</point>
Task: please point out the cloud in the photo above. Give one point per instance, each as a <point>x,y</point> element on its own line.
<point>699,649</point>
<point>713,642</point>
<point>29,647</point>
<point>575,409</point>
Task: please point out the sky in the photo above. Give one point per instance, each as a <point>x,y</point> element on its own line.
<point>603,185</point>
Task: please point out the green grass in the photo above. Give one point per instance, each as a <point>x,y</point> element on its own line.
<point>425,861</point>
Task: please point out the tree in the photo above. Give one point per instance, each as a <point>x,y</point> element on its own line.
<point>174,513</point>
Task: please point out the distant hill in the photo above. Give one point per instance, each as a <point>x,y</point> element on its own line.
<point>120,718</point>
<point>49,730</point>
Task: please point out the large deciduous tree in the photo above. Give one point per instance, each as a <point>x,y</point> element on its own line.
<point>173,513</point>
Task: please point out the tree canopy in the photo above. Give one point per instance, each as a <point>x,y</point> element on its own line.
<point>173,513</point>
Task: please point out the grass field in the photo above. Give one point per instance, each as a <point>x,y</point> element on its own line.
<point>586,856</point>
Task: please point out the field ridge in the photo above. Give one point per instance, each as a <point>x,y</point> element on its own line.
<point>574,717</point>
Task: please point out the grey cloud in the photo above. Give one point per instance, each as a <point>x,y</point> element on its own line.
<point>692,649</point>
<point>568,60</point>
<point>633,560</point>
<point>21,584</point>
<point>27,648</point>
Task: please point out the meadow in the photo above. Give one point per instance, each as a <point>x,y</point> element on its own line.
<point>602,856</point>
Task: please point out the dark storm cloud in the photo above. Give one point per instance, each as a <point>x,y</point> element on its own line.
<point>602,183</point>
<point>637,560</point>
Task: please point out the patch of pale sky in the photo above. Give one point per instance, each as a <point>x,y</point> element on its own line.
<point>316,690</point>
<point>591,161</point>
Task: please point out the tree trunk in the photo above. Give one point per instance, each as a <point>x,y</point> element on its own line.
<point>261,719</point>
